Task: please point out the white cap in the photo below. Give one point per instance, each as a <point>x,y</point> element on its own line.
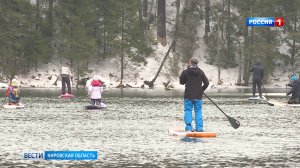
<point>96,77</point>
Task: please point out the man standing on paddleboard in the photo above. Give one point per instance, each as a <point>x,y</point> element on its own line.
<point>195,82</point>
<point>258,74</point>
<point>66,74</point>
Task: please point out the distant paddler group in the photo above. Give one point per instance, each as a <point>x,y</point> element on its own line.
<point>94,87</point>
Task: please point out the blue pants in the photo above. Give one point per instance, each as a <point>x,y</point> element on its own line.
<point>188,118</point>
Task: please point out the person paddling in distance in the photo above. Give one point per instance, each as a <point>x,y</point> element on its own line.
<point>295,91</point>
<point>258,74</point>
<point>195,82</point>
<point>66,75</point>
<point>95,90</point>
<point>13,92</point>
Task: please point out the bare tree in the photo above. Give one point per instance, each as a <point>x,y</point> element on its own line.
<point>151,83</point>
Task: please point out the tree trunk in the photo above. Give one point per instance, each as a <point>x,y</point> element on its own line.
<point>239,80</point>
<point>207,28</point>
<point>145,8</point>
<point>161,23</point>
<point>248,48</point>
<point>141,21</point>
<point>104,41</point>
<point>249,63</point>
<point>37,14</point>
<point>151,83</point>
<point>50,18</point>
<point>176,24</point>
<point>150,16</point>
<point>122,50</point>
<point>221,21</point>
<point>293,52</point>
<point>218,51</point>
<point>229,56</point>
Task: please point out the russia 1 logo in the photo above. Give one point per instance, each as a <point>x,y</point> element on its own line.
<point>279,22</point>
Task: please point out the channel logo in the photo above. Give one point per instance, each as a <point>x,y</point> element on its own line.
<point>61,155</point>
<point>265,21</point>
<point>33,155</point>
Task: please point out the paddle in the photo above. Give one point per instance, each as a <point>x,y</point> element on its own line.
<point>55,83</point>
<point>6,91</point>
<point>270,104</point>
<point>234,123</point>
<point>3,101</point>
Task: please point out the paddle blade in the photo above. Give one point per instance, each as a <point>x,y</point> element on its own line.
<point>234,123</point>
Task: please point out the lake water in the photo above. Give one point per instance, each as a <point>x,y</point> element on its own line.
<point>133,131</point>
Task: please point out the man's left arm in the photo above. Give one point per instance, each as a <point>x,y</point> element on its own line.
<point>294,86</point>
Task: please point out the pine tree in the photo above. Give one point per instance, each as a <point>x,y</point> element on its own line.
<point>20,40</point>
<point>291,13</point>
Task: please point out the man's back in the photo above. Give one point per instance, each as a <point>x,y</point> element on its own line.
<point>296,88</point>
<point>66,71</point>
<point>258,72</point>
<point>193,78</point>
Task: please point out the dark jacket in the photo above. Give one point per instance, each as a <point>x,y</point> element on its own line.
<point>193,78</point>
<point>258,71</point>
<point>295,89</point>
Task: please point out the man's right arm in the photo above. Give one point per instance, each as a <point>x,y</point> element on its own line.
<point>205,82</point>
<point>70,72</point>
<point>182,78</point>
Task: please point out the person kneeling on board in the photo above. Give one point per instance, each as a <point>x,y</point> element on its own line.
<point>13,92</point>
<point>95,90</point>
<point>195,82</point>
<point>295,91</point>
<point>66,74</point>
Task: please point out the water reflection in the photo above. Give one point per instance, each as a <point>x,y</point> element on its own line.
<point>188,139</point>
<point>138,92</point>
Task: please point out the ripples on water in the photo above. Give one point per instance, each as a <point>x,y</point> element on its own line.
<point>134,132</point>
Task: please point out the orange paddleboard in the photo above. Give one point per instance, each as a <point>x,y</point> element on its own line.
<point>193,134</point>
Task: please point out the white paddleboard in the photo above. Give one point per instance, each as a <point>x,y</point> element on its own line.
<point>269,94</point>
<point>20,106</point>
<point>277,103</point>
<point>257,98</point>
<point>94,107</point>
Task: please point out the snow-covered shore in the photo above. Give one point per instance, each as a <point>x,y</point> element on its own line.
<point>135,75</point>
